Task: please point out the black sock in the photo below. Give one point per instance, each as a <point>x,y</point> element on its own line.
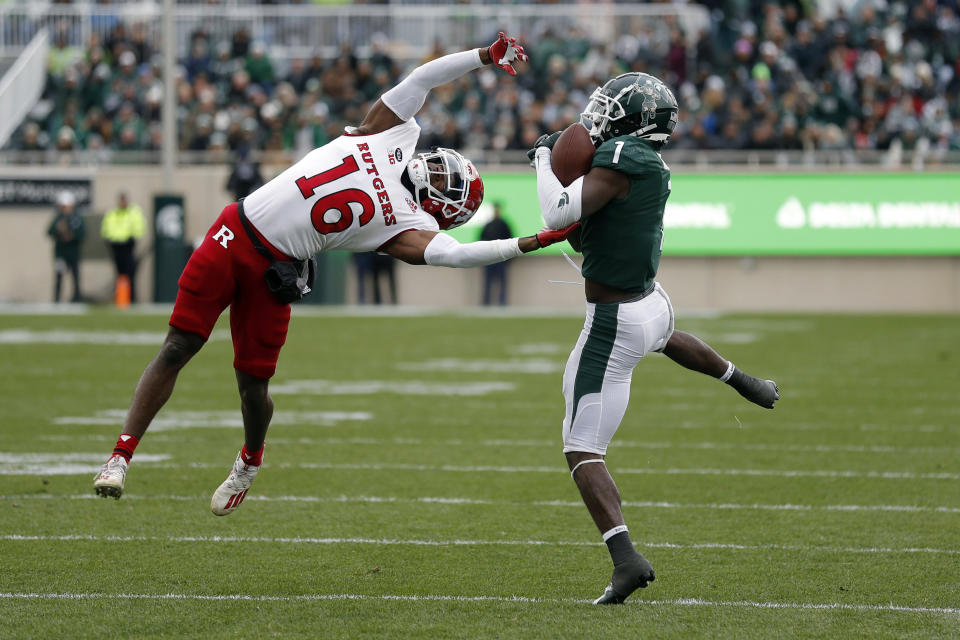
<point>738,379</point>
<point>621,548</point>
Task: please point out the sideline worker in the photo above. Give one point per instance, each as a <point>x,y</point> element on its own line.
<point>121,228</point>
<point>67,230</point>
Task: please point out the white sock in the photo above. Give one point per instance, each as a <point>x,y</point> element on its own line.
<point>612,532</point>
<point>728,373</point>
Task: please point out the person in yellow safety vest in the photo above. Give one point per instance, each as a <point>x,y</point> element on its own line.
<point>121,229</point>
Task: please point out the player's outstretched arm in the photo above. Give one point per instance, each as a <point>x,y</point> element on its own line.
<point>401,103</point>
<point>441,250</point>
<point>691,352</point>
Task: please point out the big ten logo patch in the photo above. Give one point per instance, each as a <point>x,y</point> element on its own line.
<point>396,156</point>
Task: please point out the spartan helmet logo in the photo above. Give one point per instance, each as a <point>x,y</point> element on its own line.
<point>648,109</point>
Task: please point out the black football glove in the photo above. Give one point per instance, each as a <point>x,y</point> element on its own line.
<point>546,140</point>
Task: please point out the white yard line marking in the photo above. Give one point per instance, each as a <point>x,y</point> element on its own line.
<point>776,473</point>
<point>793,507</point>
<point>922,428</point>
<point>694,425</point>
<point>470,543</point>
<point>380,387</point>
<point>68,336</point>
<point>770,473</point>
<point>59,464</point>
<point>697,602</point>
<point>466,365</point>
<point>170,420</point>
<point>545,443</point>
<point>540,348</point>
<point>625,444</point>
<point>790,448</point>
<point>52,458</point>
<point>74,336</point>
<point>680,602</point>
<point>904,508</point>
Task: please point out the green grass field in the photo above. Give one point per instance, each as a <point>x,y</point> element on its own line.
<point>433,501</point>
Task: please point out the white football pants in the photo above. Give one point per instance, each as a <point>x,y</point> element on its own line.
<point>596,380</point>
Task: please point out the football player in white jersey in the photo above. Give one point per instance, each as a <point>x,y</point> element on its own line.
<point>367,190</point>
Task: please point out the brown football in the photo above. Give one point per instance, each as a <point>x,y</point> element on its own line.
<point>572,154</point>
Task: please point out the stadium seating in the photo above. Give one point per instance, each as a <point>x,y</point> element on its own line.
<point>871,80</point>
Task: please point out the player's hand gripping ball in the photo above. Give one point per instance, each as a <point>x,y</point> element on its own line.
<point>505,51</point>
<point>546,140</point>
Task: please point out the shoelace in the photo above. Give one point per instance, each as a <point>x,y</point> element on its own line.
<point>241,472</point>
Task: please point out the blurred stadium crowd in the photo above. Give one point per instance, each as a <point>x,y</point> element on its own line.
<point>886,74</point>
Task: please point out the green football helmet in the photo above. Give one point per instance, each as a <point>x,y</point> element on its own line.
<point>634,104</point>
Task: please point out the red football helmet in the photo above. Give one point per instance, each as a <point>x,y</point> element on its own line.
<point>446,185</point>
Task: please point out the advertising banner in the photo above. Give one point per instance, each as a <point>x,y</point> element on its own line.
<point>39,191</point>
<point>776,214</point>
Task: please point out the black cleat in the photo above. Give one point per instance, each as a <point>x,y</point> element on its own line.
<point>764,393</point>
<point>626,579</point>
<point>609,597</point>
<point>757,391</point>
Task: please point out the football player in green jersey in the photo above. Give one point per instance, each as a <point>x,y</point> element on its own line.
<point>620,204</point>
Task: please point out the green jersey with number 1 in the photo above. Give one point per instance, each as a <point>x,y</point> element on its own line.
<point>621,242</point>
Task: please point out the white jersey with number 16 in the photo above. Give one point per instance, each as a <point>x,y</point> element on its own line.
<point>344,195</point>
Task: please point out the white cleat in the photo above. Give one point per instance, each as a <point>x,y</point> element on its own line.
<point>108,483</point>
<point>231,493</point>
